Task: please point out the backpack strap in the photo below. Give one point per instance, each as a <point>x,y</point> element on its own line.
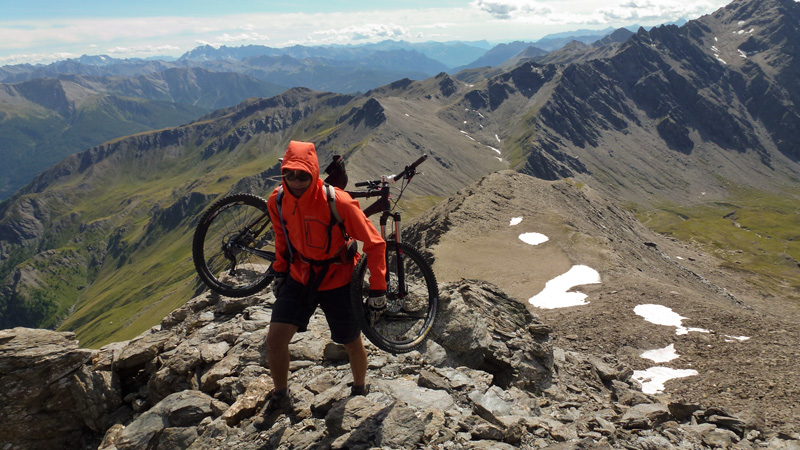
<point>330,195</point>
<point>279,204</point>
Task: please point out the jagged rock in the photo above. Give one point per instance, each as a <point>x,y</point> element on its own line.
<point>228,305</point>
<point>731,423</point>
<point>326,399</point>
<point>251,401</point>
<point>141,350</point>
<point>334,352</point>
<point>604,426</point>
<point>110,439</point>
<point>50,397</point>
<point>719,438</point>
<point>495,404</point>
<point>417,397</point>
<point>483,328</point>
<point>463,390</point>
<point>606,372</point>
<point>179,410</point>
<point>358,413</point>
<point>624,394</point>
<point>682,411</point>
<point>432,380</point>
<point>371,113</point>
<point>645,416</point>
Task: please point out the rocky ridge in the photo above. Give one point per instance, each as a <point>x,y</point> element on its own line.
<point>489,378</point>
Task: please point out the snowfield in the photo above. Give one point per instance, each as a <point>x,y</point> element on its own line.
<point>558,293</point>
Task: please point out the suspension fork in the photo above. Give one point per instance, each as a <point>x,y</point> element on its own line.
<point>401,276</point>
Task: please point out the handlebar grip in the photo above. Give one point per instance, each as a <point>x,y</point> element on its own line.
<point>409,170</point>
<point>418,162</point>
<point>362,184</point>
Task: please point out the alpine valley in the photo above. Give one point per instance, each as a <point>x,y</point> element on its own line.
<point>691,130</point>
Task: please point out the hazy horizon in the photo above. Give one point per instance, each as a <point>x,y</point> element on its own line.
<point>45,31</point>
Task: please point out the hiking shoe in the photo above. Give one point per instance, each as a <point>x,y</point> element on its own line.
<point>279,403</point>
<point>276,405</point>
<point>359,390</point>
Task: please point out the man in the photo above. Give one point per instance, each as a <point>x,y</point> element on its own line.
<point>314,268</point>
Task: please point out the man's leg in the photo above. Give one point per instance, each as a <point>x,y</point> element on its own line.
<point>278,338</point>
<point>336,305</point>
<point>358,361</point>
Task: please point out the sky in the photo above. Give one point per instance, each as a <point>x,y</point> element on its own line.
<point>43,31</point>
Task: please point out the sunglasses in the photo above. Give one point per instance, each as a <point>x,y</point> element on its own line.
<point>299,175</point>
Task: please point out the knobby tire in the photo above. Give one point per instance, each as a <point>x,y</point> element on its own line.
<point>223,244</point>
<point>407,321</point>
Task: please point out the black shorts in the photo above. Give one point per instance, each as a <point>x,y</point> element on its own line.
<point>335,303</point>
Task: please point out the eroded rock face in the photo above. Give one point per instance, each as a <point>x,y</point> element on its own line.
<point>483,328</point>
<point>50,396</point>
<point>488,378</point>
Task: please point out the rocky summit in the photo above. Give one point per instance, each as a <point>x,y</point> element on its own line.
<point>490,377</point>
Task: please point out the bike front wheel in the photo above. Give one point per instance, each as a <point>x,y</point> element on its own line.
<point>412,300</point>
<point>234,246</point>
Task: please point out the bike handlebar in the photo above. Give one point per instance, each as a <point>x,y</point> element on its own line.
<point>408,172</point>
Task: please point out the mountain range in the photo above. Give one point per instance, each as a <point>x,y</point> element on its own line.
<point>674,116</point>
<point>50,111</point>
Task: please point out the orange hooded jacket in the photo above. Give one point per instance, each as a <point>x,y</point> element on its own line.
<point>307,219</point>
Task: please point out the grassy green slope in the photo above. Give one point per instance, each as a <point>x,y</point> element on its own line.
<point>35,140</point>
<point>116,256</point>
<point>756,233</point>
<point>150,272</point>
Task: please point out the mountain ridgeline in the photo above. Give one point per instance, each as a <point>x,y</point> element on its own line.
<point>50,111</point>
<point>43,120</point>
<point>100,242</point>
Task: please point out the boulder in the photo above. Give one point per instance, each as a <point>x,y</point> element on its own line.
<point>50,397</point>
<point>481,327</point>
<point>172,422</point>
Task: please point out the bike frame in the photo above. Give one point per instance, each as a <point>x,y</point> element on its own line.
<point>378,188</point>
<point>383,206</point>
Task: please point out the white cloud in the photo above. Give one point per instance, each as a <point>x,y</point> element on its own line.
<point>508,9</point>
<point>368,32</point>
<point>587,12</point>
<point>243,37</point>
<point>649,11</point>
<point>143,50</point>
<point>33,58</point>
<point>39,40</point>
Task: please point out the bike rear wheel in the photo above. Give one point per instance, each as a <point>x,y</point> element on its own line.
<point>234,246</point>
<point>410,316</point>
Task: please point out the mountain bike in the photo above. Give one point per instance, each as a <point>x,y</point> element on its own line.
<point>234,246</point>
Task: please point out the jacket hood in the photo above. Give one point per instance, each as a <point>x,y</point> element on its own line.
<point>301,156</point>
